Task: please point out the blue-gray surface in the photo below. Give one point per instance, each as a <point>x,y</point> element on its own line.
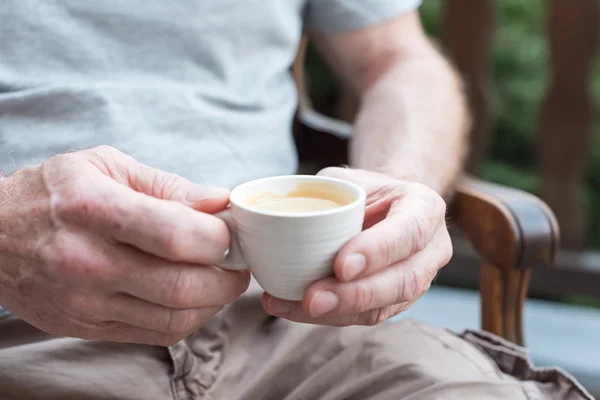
<point>556,334</point>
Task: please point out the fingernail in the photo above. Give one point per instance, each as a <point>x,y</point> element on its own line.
<point>207,193</point>
<point>278,306</point>
<point>323,302</point>
<point>353,265</point>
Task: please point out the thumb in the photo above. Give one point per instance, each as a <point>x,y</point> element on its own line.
<point>160,184</point>
<point>167,186</point>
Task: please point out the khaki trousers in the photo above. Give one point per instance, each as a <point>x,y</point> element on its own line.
<point>243,353</point>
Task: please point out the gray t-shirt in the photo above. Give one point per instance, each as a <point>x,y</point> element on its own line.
<point>200,88</point>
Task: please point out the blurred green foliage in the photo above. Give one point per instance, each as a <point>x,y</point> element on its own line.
<point>519,74</point>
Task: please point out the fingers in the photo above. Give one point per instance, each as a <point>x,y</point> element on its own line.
<point>119,317</point>
<point>156,183</point>
<point>133,311</point>
<point>167,186</point>
<point>138,205</point>
<point>414,214</point>
<point>296,313</point>
<point>188,286</point>
<point>176,285</point>
<point>401,283</point>
<point>408,228</point>
<point>166,229</point>
<point>81,260</point>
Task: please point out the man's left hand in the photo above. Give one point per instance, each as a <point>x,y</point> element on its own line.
<point>384,269</point>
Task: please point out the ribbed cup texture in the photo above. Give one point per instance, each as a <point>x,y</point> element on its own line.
<point>287,254</point>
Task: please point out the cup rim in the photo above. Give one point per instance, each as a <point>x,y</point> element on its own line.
<point>361,198</point>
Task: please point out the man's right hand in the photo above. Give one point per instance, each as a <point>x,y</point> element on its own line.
<point>97,246</point>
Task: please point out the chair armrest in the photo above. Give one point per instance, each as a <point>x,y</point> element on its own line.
<point>512,231</point>
<point>508,228</point>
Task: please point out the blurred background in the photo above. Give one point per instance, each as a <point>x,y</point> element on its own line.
<point>533,79</point>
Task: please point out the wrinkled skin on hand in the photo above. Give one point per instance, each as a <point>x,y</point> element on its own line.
<point>97,246</point>
<point>388,266</point>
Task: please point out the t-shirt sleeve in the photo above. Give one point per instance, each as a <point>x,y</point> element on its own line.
<point>331,16</point>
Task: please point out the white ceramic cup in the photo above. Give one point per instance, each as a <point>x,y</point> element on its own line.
<point>286,252</point>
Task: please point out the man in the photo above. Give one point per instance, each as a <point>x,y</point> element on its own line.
<point>106,259</point>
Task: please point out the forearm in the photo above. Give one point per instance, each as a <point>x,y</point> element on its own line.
<point>413,123</point>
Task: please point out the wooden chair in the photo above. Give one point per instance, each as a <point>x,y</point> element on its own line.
<point>511,230</point>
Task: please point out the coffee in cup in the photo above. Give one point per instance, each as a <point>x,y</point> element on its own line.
<point>306,197</point>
